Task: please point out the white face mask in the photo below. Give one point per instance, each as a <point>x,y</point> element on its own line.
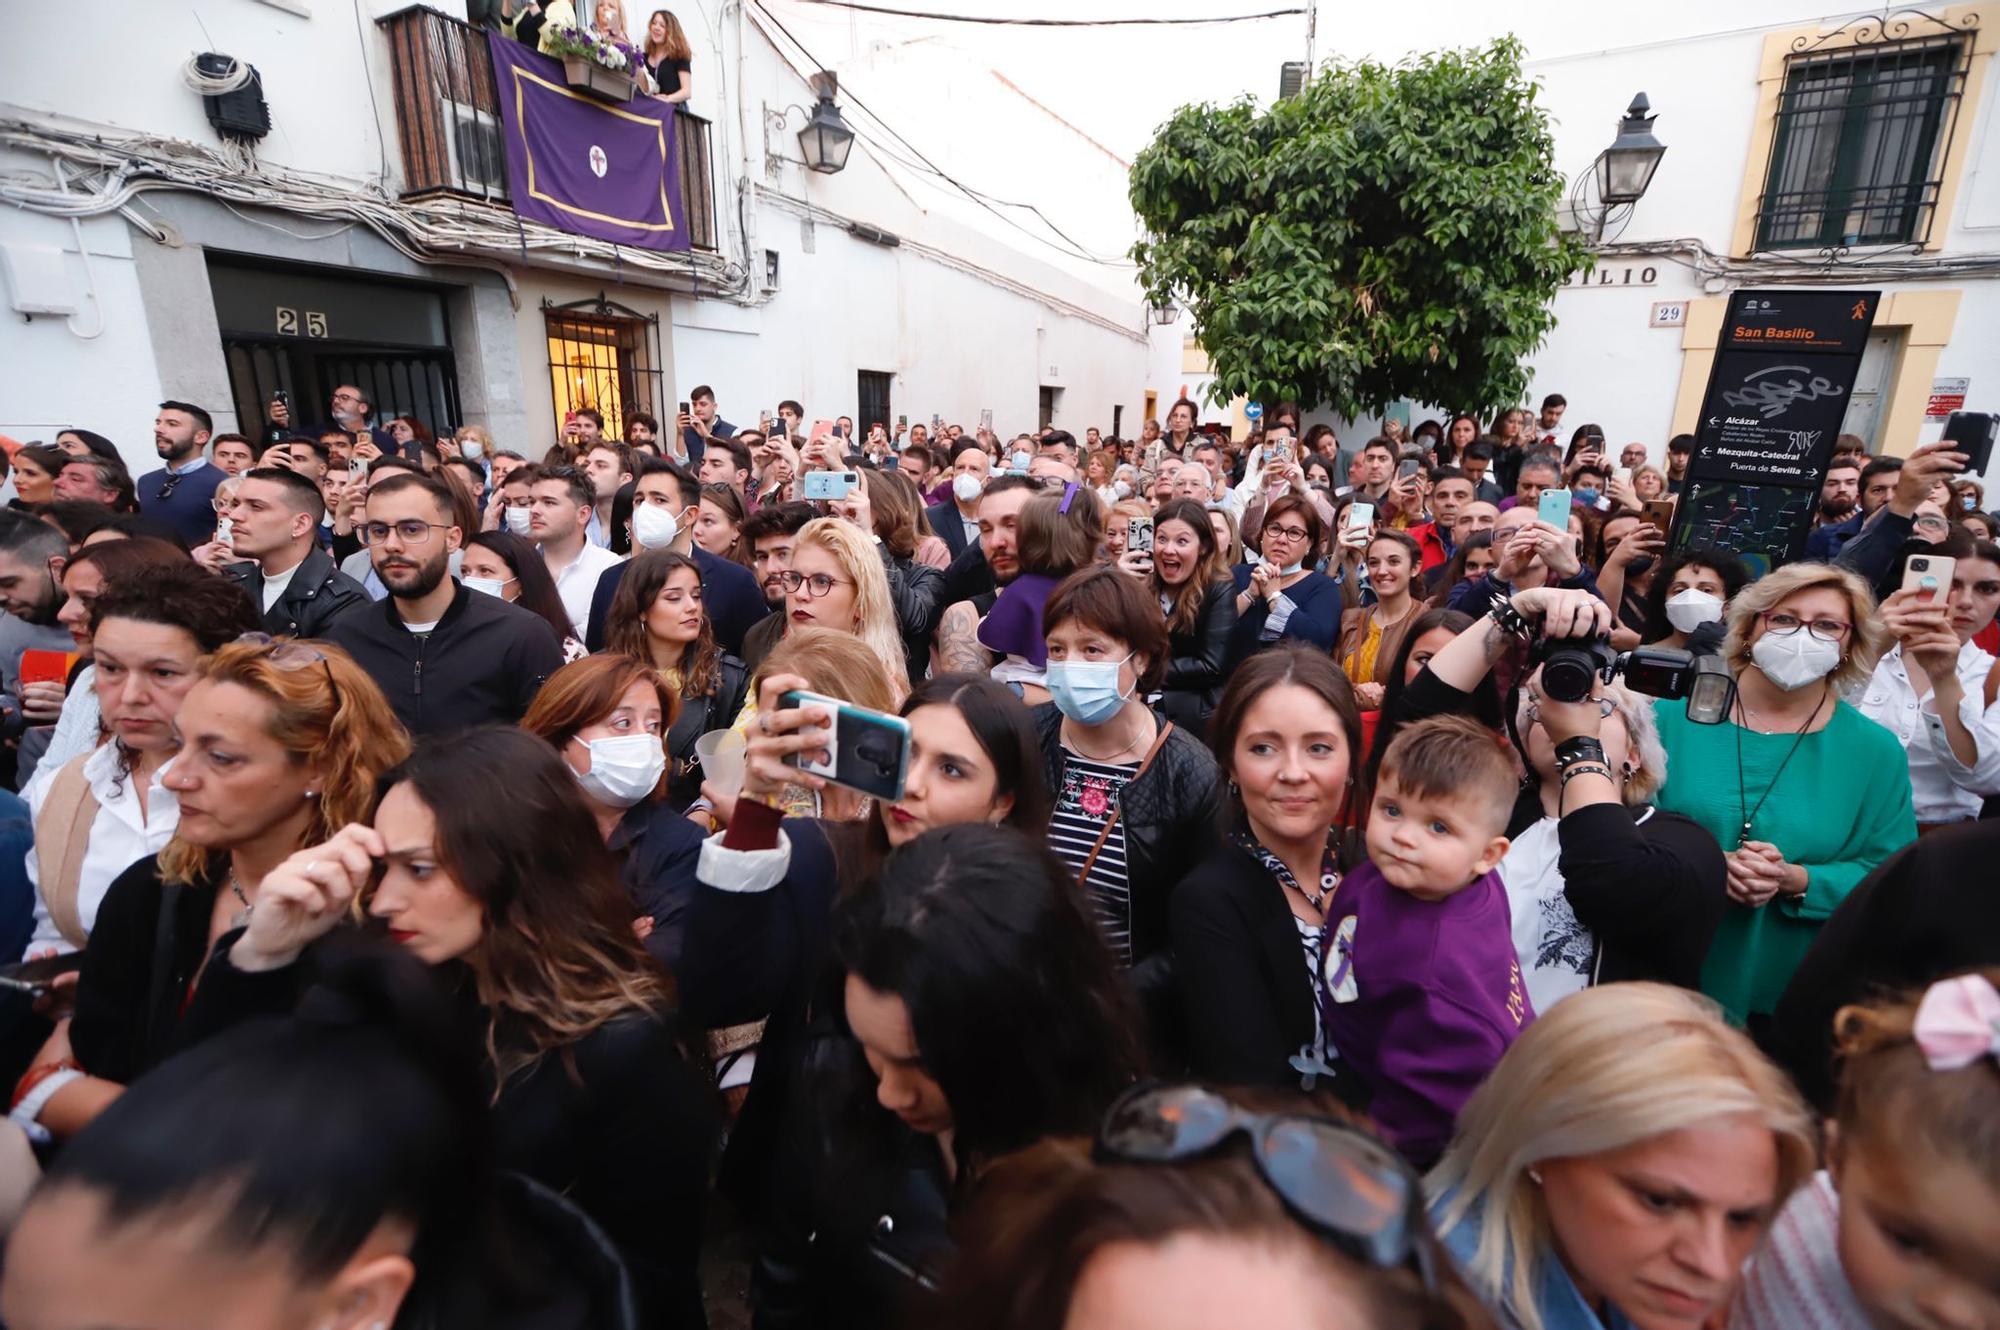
<point>1121,489</point>
<point>623,769</point>
<point>491,586</point>
<point>517,520</point>
<point>653,526</point>
<point>470,448</point>
<point>1692,608</point>
<point>965,487</point>
<point>1795,659</point>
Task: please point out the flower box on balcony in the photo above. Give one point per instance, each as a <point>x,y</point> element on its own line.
<point>592,79</point>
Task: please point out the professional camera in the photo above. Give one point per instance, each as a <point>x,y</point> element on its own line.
<point>1571,665</point>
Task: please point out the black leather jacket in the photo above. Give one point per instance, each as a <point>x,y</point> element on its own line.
<point>318,594</point>
<point>1170,817</point>
<point>1195,660</point>
<point>914,590</point>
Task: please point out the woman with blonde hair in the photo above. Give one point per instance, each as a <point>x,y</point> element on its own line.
<point>668,57</point>
<point>1620,1164</point>
<point>1118,521</point>
<point>1804,793</point>
<point>836,580</point>
<point>1602,885</point>
<point>281,745</point>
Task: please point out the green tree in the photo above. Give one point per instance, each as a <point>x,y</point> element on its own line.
<point>1391,232</point>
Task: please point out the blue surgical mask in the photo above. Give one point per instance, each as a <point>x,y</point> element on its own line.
<point>1292,568</point>
<point>1584,495</point>
<point>1086,691</point>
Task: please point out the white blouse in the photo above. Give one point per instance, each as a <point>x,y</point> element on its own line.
<point>1943,788</point>
<point>119,837</point>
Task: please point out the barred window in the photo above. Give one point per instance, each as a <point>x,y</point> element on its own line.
<point>1859,151</point>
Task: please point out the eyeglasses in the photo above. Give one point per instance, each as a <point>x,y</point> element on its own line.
<point>287,654</point>
<point>816,586</point>
<point>170,484</point>
<point>1338,1180</point>
<point>221,504</point>
<point>1294,533</point>
<point>411,531</point>
<point>1784,625</point>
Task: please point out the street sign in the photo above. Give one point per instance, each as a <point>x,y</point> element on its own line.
<point>1777,392</point>
<point>1947,396</point>
<point>1668,314</point>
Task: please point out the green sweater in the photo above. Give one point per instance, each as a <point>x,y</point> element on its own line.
<point>1841,807</point>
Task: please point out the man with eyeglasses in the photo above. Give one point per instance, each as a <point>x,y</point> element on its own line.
<point>1527,552</point>
<point>560,503</point>
<point>445,657</point>
<point>349,409</point>
<point>275,520</point>
<point>182,492</point>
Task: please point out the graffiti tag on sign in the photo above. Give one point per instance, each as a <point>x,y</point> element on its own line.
<point>1769,396</point>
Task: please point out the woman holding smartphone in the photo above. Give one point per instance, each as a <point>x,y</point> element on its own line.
<point>1279,595</point>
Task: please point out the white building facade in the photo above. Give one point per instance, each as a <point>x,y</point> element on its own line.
<point>367,238</point>
<point>1841,152</point>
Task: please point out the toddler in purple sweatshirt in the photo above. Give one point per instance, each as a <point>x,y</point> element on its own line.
<point>1420,987</point>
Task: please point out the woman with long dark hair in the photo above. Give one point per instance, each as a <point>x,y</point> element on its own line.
<point>977,1013</point>
<point>668,58</point>
<point>500,563</point>
<point>514,901</point>
<point>657,617</point>
<point>1472,560</point>
<point>1247,920</point>
<point>1192,582</point>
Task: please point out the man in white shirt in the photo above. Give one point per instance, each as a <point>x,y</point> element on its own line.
<point>559,507</point>
<point>274,524</point>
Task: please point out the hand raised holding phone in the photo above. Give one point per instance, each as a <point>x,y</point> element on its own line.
<point>778,734</point>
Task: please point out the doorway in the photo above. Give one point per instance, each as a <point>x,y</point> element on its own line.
<point>872,394</point>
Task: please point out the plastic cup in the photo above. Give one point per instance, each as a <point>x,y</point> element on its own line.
<point>721,754</point>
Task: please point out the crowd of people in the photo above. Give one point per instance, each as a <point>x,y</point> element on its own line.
<point>464,886</point>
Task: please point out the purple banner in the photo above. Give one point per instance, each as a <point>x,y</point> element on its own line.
<point>594,168</point>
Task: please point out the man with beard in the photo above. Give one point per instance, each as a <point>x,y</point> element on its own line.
<point>1839,493</point>
<point>958,645</point>
<point>32,556</point>
<point>182,492</point>
<point>1877,483</point>
<point>769,533</point>
<point>445,657</point>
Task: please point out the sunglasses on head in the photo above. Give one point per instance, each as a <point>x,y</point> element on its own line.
<point>1336,1179</point>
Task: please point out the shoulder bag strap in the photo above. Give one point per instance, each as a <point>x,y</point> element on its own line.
<point>62,835</point>
<point>1159,742</point>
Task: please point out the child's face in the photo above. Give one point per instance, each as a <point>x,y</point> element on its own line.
<point>1919,1238</point>
<point>1433,848</point>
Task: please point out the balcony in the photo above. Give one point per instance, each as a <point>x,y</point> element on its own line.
<point>448,118</point>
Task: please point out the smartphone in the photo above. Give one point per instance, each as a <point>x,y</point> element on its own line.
<point>1408,467</point>
<point>1281,451</point>
<point>284,398</point>
<point>866,750</point>
<point>684,409</point>
<point>1658,514</point>
<point>986,418</point>
<point>38,976</point>
<point>1155,455</point>
<point>1971,433</point>
<point>937,423</point>
<point>43,666</point>
<point>822,429</point>
<point>839,430</point>
<point>902,424</point>
<point>1139,536</point>
<point>1553,508</point>
<point>830,485</point>
<point>1931,573</point>
<point>1360,516</point>
<point>225,531</point>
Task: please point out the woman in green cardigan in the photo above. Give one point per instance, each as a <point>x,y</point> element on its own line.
<point>1804,793</point>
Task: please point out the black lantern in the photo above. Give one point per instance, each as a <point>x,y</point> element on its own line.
<point>826,140</point>
<point>1626,167</point>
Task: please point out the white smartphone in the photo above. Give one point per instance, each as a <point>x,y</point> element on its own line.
<point>1360,517</point>
<point>1929,573</point>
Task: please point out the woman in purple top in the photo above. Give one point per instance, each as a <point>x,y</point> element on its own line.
<point>1420,990</point>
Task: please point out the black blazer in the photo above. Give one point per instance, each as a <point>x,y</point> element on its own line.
<point>1195,672</point>
<point>1245,989</point>
<point>948,526</point>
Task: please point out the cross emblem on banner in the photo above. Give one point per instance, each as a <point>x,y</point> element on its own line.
<point>599,163</point>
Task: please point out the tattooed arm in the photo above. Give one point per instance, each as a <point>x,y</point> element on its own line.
<point>958,648</point>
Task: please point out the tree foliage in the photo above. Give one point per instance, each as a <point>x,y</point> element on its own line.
<point>1391,232</point>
